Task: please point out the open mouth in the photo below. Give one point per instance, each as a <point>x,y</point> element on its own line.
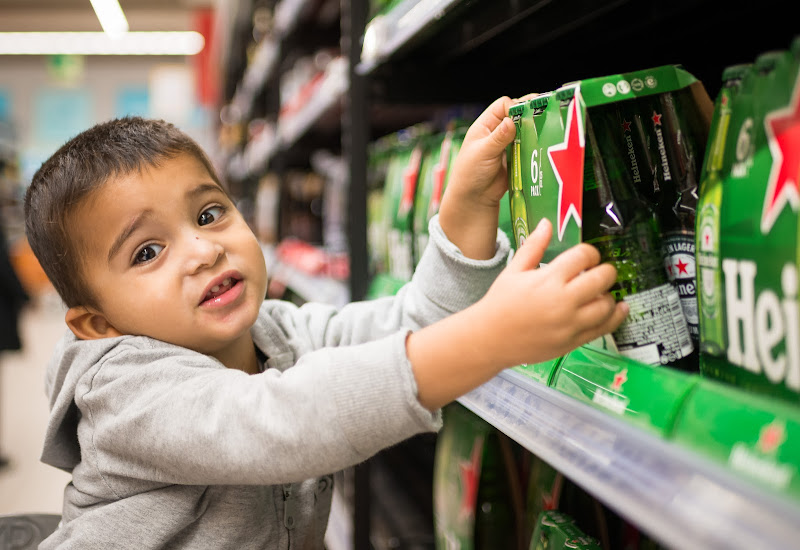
<point>220,289</point>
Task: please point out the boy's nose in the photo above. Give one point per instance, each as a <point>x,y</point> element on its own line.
<point>203,253</point>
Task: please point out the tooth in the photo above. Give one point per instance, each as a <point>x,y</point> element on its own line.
<point>226,282</point>
<point>215,288</point>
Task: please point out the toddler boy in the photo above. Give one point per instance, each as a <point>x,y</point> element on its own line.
<point>192,413</point>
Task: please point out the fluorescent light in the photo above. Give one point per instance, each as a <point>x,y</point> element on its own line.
<point>111,17</point>
<point>100,43</point>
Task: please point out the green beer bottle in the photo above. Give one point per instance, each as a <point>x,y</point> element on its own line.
<point>519,210</point>
<point>495,518</point>
<point>709,270</point>
<point>665,140</point>
<point>625,230</point>
<point>685,141</point>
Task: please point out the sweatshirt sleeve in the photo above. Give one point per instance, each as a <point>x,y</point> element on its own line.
<point>444,282</point>
<point>165,415</point>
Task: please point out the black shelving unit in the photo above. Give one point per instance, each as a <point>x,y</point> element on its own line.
<point>427,54</point>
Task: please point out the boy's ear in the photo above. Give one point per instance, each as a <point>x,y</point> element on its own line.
<point>86,324</point>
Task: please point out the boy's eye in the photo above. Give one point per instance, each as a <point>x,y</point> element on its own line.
<point>210,215</point>
<point>147,253</point>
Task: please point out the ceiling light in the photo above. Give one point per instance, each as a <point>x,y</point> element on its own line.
<point>100,43</point>
<point>111,17</point>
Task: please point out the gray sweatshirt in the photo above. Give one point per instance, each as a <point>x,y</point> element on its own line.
<point>170,449</point>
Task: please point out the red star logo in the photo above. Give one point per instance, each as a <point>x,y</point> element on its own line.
<point>620,378</point>
<point>771,437</point>
<point>707,238</point>
<point>725,100</point>
<point>626,126</point>
<point>681,265</point>
<point>550,500</point>
<point>657,118</point>
<point>410,175</point>
<point>567,161</point>
<point>783,134</point>
<point>470,475</point>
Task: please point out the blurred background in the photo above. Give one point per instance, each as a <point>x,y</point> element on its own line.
<point>45,99</point>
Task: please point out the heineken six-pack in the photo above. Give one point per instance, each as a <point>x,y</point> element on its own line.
<point>615,162</point>
<point>694,202</point>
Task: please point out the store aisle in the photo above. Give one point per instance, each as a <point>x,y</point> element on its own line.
<point>27,485</point>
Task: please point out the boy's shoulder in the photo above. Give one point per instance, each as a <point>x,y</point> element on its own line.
<point>82,355</point>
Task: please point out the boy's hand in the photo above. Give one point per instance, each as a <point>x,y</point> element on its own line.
<point>470,206</point>
<point>544,312</point>
<point>529,315</point>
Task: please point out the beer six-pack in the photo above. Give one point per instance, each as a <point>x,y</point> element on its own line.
<point>747,230</point>
<point>672,188</point>
<point>615,162</point>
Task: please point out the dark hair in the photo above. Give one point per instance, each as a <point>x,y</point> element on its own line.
<point>80,167</point>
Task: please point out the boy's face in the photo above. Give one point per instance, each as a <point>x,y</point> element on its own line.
<point>167,255</point>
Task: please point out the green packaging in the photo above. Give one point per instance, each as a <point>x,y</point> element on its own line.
<point>402,178</point>
<point>472,503</point>
<point>641,394</point>
<point>754,436</point>
<point>751,336</point>
<point>558,531</point>
<point>434,174</point>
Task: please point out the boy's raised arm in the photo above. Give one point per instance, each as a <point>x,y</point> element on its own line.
<point>529,314</point>
<point>471,201</point>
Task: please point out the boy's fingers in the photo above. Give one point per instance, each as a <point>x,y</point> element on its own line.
<point>607,326</point>
<point>591,282</point>
<point>596,311</point>
<point>530,254</point>
<point>502,136</point>
<point>575,260</point>
<point>494,114</point>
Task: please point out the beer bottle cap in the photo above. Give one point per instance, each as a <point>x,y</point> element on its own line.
<point>735,72</point>
<point>563,94</point>
<point>516,110</point>
<point>539,102</point>
<point>767,61</point>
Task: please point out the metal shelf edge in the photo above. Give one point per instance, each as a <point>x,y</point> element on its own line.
<point>676,495</point>
<point>292,128</point>
<point>406,20</point>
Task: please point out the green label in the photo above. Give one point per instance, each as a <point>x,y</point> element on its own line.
<point>645,395</point>
<point>756,437</point>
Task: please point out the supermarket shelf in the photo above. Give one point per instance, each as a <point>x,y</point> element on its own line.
<point>331,89</point>
<point>287,15</point>
<point>387,33</point>
<point>256,75</point>
<point>677,496</point>
<point>255,157</point>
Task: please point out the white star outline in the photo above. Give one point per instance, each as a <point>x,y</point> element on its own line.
<point>788,193</point>
<point>571,211</point>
